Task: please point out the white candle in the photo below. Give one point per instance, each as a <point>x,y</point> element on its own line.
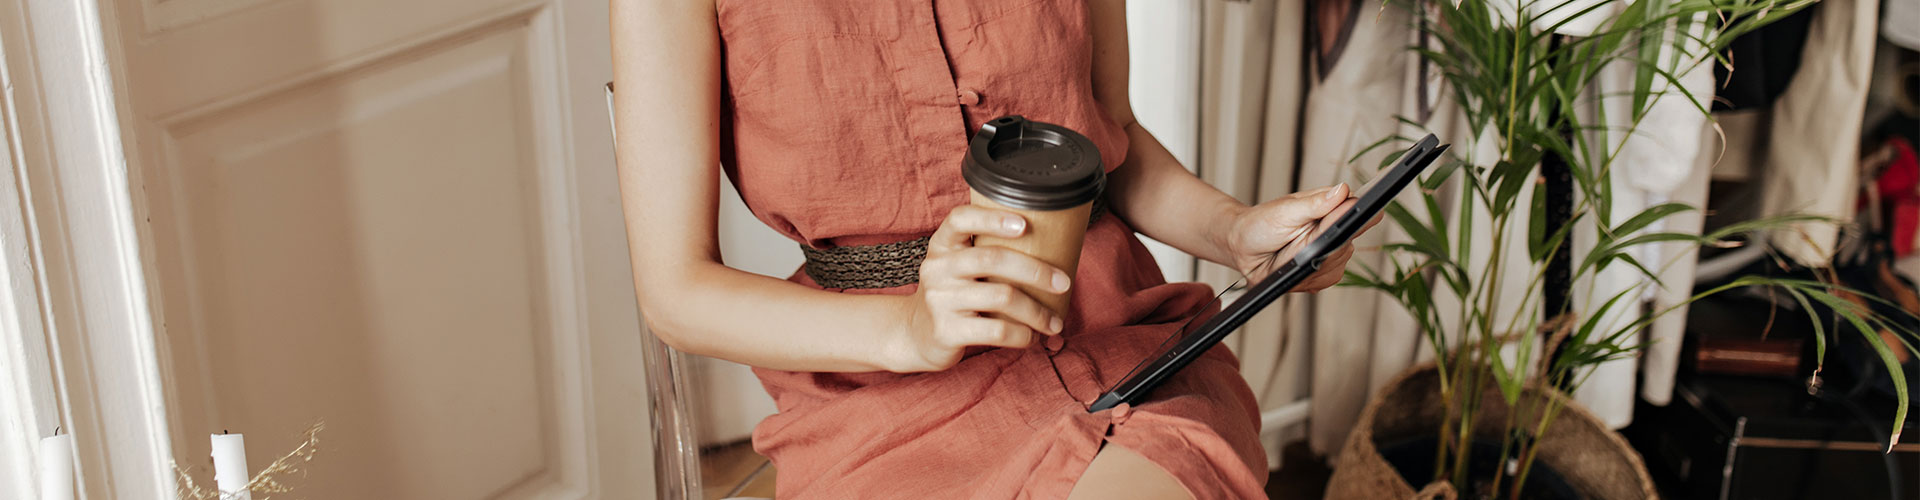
<point>56,467</point>
<point>230,466</point>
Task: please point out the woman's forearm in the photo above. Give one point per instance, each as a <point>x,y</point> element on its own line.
<point>720,312</point>
<point>1162,200</point>
<point>667,63</point>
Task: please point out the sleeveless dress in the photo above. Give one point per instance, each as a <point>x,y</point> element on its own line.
<point>844,123</point>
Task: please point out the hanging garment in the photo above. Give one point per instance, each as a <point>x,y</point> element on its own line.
<point>1351,106</point>
<point>1660,361</point>
<point>1656,156</point>
<point>1902,24</point>
<point>1814,140</point>
<point>1332,26</point>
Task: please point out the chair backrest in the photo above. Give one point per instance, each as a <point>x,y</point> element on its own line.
<point>676,448</point>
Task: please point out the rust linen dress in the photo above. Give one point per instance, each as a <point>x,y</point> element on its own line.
<point>844,124</point>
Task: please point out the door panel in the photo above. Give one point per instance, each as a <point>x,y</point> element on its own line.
<point>372,214</point>
<point>240,54</point>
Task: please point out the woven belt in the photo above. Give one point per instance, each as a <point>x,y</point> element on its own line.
<point>885,265</point>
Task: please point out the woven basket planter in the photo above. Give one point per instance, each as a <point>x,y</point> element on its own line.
<point>1594,462</point>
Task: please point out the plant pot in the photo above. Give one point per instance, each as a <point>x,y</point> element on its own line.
<point>1578,454</point>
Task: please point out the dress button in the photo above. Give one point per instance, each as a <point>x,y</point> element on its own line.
<point>1121,412</point>
<point>1054,343</point>
<point>969,98</point>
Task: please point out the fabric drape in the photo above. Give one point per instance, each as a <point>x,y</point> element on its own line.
<point>1251,96</point>
<point>1652,162</point>
<point>1349,107</point>
<point>1814,141</point>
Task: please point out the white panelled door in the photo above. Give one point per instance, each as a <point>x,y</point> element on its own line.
<point>397,217</point>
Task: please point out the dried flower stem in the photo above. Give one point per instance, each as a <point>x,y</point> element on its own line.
<point>268,481</point>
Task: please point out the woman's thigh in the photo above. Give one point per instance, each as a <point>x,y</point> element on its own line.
<point>1120,473</point>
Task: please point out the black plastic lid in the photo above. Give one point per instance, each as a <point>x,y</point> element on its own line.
<point>1033,165</point>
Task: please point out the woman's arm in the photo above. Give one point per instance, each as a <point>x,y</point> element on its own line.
<point>666,61</point>
<point>1161,199</point>
<point>667,65</point>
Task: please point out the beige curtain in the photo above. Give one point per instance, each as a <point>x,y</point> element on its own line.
<point>1251,90</point>
<point>1359,337</point>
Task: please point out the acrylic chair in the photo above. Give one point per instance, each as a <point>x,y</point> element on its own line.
<point>677,452</point>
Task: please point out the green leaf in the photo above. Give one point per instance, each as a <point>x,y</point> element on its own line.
<point>1465,216</point>
<point>1611,250</point>
<point>1355,280</point>
<point>1438,218</point>
<point>1391,157</point>
<point>1423,236</point>
<point>1851,313</point>
<point>1440,174</point>
<point>1819,329</point>
<point>1554,241</point>
<point>1537,226</point>
<point>1630,260</point>
<point>1376,144</point>
<point>1649,216</point>
<point>1593,318</point>
<point>1508,178</point>
<point>1778,221</point>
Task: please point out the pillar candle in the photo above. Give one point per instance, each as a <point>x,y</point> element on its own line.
<point>230,466</point>
<point>56,467</point>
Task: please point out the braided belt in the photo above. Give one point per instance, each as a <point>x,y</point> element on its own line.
<point>885,265</point>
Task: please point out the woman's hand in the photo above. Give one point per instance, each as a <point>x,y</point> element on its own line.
<point>1285,225</point>
<point>954,308</point>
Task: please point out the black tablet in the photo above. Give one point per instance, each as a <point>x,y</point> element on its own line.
<point>1372,200</point>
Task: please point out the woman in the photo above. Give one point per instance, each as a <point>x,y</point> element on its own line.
<point>842,123</point>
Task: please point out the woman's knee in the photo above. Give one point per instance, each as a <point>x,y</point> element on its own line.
<point>1120,473</point>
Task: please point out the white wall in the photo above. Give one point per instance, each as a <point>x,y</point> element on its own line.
<point>27,409</point>
<point>1164,44</point>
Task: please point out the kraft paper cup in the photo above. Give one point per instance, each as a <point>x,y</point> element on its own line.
<point>1047,173</point>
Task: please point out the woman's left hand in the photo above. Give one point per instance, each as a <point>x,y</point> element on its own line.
<point>1285,225</point>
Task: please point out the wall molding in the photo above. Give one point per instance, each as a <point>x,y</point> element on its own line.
<point>71,176</point>
<point>423,45</point>
<point>28,408</point>
<point>157,16</point>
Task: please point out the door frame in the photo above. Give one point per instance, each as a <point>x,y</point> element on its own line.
<point>89,361</point>
<point>77,251</point>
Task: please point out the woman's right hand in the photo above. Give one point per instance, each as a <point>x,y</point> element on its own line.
<point>955,307</point>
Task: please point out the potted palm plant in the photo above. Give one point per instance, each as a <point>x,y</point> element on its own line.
<point>1489,418</point>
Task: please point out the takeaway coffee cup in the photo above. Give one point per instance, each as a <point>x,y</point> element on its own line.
<point>1047,173</point>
